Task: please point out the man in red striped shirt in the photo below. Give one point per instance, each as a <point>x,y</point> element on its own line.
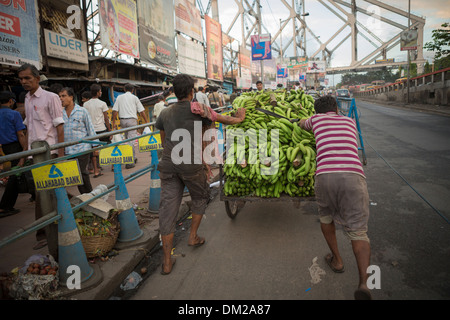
<point>340,186</point>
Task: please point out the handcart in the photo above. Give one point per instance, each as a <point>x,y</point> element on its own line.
<point>233,204</point>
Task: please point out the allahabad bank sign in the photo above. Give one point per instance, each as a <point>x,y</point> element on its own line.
<point>18,33</point>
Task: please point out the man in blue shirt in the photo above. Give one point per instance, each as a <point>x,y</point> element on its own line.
<point>13,140</point>
<point>77,126</point>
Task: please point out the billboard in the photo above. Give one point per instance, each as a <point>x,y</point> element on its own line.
<point>188,19</point>
<point>261,47</point>
<point>316,67</point>
<point>408,40</point>
<point>297,62</point>
<point>157,32</point>
<point>18,33</point>
<point>118,26</point>
<point>214,53</point>
<point>282,71</point>
<point>191,57</point>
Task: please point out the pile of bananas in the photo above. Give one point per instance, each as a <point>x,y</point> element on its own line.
<point>277,156</point>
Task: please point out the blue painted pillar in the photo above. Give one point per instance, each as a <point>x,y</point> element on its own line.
<point>70,248</point>
<point>155,185</point>
<point>129,226</point>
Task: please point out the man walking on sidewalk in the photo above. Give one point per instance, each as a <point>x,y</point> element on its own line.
<point>78,125</point>
<point>98,111</point>
<point>176,174</point>
<point>13,140</point>
<point>127,107</point>
<point>44,122</point>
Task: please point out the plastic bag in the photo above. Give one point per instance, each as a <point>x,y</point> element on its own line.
<point>117,138</point>
<point>33,286</point>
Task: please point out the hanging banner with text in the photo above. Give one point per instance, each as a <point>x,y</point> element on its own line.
<point>188,19</point>
<point>157,33</point>
<point>191,57</point>
<point>261,47</point>
<point>118,26</point>
<point>18,33</point>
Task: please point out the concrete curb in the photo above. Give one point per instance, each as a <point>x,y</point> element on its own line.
<point>108,275</point>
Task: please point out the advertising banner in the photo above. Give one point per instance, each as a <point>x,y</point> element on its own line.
<point>19,42</point>
<point>118,26</point>
<point>316,67</point>
<point>191,57</point>
<point>261,47</point>
<point>245,60</point>
<point>297,62</point>
<point>282,71</point>
<point>214,54</point>
<point>157,32</point>
<point>408,40</point>
<point>188,19</point>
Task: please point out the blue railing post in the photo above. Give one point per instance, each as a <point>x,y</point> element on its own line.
<point>129,226</point>
<point>70,247</point>
<point>155,185</point>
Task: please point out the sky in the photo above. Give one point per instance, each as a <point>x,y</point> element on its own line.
<point>324,24</point>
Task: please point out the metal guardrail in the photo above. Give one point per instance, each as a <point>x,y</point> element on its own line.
<point>54,216</point>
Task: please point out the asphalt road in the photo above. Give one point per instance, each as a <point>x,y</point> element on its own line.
<point>268,251</point>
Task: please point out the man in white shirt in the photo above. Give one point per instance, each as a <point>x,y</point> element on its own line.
<point>98,110</point>
<point>128,106</point>
<point>158,107</point>
<point>202,97</point>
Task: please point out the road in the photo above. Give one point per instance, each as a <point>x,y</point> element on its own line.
<point>267,252</point>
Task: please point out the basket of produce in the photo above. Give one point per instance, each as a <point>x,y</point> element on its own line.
<point>98,235</point>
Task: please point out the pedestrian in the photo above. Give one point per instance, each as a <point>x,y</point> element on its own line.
<point>20,104</point>
<point>158,107</point>
<point>171,98</point>
<point>127,107</point>
<point>215,99</point>
<point>44,122</point>
<point>340,186</point>
<point>175,175</point>
<point>77,126</point>
<point>85,97</point>
<point>98,110</point>
<point>202,97</point>
<point>12,140</point>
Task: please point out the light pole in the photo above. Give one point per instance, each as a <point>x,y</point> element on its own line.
<point>409,56</point>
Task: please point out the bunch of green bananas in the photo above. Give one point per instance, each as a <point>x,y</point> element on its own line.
<point>287,164</point>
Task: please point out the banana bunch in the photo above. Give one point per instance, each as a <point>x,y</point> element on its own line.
<point>264,167</point>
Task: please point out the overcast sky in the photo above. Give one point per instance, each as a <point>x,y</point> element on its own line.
<point>324,23</point>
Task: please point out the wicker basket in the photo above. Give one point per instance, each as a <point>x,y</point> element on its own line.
<point>97,246</point>
<point>100,245</point>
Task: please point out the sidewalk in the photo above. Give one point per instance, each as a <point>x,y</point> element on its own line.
<point>111,272</point>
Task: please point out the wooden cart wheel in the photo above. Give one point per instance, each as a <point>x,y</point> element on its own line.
<point>233,207</point>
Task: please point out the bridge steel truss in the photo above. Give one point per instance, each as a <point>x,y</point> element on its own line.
<point>251,22</point>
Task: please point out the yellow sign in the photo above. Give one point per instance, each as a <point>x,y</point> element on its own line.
<point>117,155</point>
<point>150,143</point>
<point>58,175</point>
